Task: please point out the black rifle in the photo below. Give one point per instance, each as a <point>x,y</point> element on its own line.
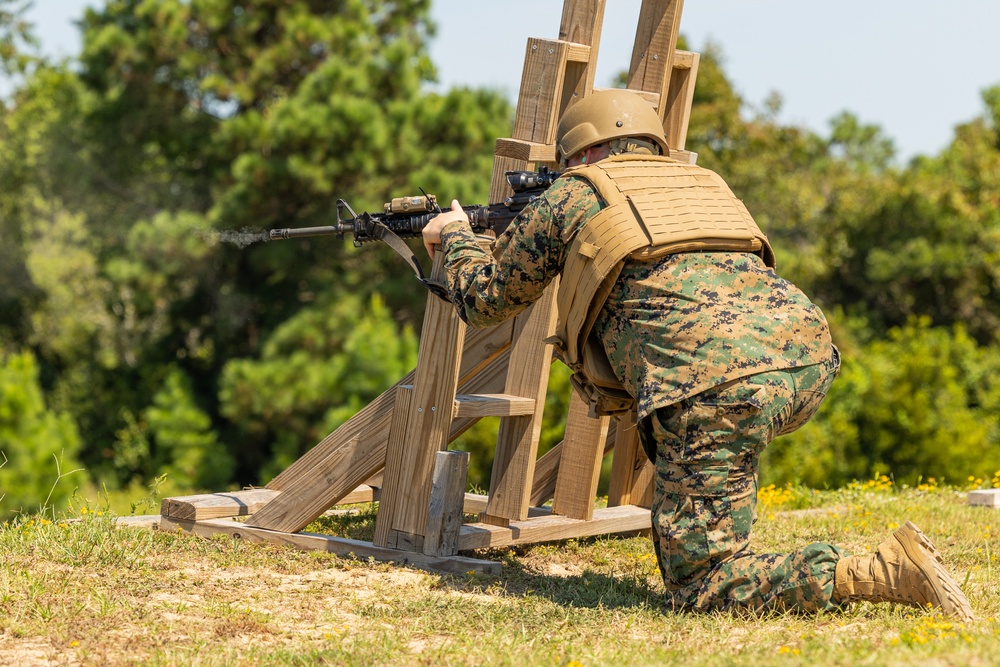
<point>406,217</point>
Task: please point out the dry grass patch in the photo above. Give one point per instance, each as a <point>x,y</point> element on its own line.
<point>92,592</point>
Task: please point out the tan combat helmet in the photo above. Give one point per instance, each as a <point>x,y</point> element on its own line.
<point>610,115</point>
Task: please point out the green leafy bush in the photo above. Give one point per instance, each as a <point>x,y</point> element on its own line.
<point>38,445</point>
<point>923,402</point>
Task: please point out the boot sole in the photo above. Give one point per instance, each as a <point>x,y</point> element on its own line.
<point>921,551</point>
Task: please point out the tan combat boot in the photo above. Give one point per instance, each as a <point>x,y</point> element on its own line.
<point>905,568</point>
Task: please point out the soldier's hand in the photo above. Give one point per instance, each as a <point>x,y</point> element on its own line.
<point>432,231</point>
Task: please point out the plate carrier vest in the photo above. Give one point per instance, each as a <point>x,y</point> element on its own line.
<point>655,206</point>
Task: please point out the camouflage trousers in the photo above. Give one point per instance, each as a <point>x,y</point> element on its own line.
<point>707,450</point>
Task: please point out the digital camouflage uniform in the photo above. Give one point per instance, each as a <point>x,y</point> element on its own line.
<point>721,356</point>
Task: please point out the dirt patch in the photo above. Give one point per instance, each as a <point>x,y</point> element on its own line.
<point>24,652</point>
<point>560,569</point>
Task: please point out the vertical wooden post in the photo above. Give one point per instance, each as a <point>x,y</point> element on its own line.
<point>579,462</point>
<point>677,110</point>
<point>444,514</point>
<point>631,471</point>
<point>653,50</point>
<point>581,24</point>
<point>517,440</point>
<point>424,428</point>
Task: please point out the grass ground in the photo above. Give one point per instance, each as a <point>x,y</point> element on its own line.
<point>84,590</point>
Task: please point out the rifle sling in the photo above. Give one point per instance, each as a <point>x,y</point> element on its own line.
<point>379,230</point>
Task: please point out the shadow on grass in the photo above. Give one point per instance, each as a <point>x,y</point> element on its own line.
<point>620,588</point>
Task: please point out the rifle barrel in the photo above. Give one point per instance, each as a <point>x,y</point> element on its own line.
<point>296,232</point>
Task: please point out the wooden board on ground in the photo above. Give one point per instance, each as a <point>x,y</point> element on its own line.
<point>985,498</point>
<point>338,545</point>
<point>606,521</point>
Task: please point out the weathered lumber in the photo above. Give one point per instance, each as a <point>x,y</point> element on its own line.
<point>985,498</point>
<point>338,545</point>
<point>631,472</point>
<point>444,514</point>
<point>622,519</point>
<point>517,440</point>
<point>579,461</point>
<point>547,468</point>
<point>421,430</point>
<point>216,505</point>
<point>474,406</point>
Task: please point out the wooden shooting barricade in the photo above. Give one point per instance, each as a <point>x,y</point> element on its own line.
<point>395,450</point>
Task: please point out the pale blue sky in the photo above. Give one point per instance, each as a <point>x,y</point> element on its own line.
<point>915,68</point>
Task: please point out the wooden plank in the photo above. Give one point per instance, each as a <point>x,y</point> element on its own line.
<point>492,405</point>
<point>485,346</point>
<point>631,472</point>
<point>217,505</point>
<point>606,521</point>
<point>444,513</point>
<point>334,478</point>
<point>581,23</point>
<point>547,468</point>
<point>150,521</point>
<point>527,151</point>
<point>476,503</point>
<point>680,98</point>
<point>241,503</point>
<point>985,498</point>
<point>653,50</point>
<point>543,483</point>
<point>642,490</point>
<point>556,73</point>
<point>429,419</point>
<point>540,97</point>
<point>684,156</point>
<point>362,494</point>
<point>337,545</point>
<point>580,461</point>
<point>517,440</point>
<point>499,187</point>
<point>490,380</point>
<point>389,504</point>
<point>623,463</point>
<point>369,492</point>
<point>685,60</point>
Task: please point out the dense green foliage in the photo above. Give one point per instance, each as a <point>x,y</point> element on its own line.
<point>39,445</point>
<point>140,343</point>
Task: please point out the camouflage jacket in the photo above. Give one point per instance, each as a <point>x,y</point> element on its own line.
<point>672,327</point>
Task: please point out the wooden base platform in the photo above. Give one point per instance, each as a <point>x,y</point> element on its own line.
<point>210,514</point>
